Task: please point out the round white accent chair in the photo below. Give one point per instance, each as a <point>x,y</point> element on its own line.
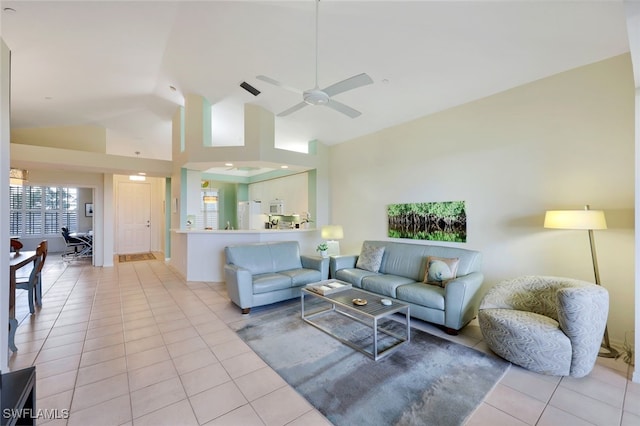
<point>550,325</point>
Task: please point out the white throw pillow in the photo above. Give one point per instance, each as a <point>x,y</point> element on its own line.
<point>370,258</point>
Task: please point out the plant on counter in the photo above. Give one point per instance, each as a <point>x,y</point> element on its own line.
<point>322,247</point>
<point>306,218</point>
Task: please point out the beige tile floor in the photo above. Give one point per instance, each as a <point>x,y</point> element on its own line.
<point>137,345</point>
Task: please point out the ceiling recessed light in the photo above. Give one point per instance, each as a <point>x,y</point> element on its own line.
<point>228,164</point>
<point>284,167</point>
<point>173,88</point>
<point>9,10</point>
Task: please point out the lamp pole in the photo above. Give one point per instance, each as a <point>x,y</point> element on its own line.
<point>610,352</point>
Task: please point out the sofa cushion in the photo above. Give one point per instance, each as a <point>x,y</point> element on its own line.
<point>353,275</point>
<point>441,270</point>
<point>370,257</point>
<point>430,296</point>
<point>530,340</point>
<point>302,276</point>
<point>384,284</point>
<point>285,255</point>
<point>265,283</point>
<point>256,258</point>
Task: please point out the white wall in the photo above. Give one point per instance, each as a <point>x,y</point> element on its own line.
<point>632,12</point>
<point>558,143</point>
<point>85,195</point>
<point>294,190</point>
<point>5,88</point>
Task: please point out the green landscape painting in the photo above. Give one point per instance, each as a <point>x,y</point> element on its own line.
<point>440,221</point>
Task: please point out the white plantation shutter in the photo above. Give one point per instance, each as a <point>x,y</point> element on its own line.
<point>41,210</point>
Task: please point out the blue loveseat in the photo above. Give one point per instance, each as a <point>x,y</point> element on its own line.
<point>401,274</point>
<point>262,273</point>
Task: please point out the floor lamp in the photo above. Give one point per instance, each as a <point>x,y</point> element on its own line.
<point>589,220</point>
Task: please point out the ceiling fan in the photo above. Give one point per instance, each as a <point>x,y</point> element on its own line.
<point>317,96</point>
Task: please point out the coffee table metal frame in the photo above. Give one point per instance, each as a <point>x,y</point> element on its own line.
<point>369,314</point>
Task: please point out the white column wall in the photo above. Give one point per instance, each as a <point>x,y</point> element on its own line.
<point>632,12</point>
<point>4,195</point>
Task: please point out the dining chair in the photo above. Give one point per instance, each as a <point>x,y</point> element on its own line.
<point>38,293</point>
<point>33,284</point>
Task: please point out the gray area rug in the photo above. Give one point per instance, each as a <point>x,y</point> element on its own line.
<point>429,381</point>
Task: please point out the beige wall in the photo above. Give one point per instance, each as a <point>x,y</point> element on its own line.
<point>78,138</point>
<point>557,143</point>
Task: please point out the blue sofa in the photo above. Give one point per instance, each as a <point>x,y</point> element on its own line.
<point>401,275</point>
<point>262,273</point>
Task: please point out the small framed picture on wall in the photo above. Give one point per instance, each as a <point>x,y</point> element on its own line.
<point>88,209</point>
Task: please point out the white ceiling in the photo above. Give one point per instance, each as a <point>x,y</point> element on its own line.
<point>111,63</point>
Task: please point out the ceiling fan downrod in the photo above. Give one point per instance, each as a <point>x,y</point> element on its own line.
<point>317,3</point>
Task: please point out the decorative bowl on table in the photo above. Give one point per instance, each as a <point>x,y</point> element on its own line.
<point>359,302</point>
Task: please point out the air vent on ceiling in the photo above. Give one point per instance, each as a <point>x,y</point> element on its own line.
<point>249,88</point>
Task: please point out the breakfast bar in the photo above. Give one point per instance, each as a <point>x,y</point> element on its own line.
<point>198,255</point>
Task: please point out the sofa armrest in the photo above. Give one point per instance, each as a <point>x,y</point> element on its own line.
<point>239,285</point>
<point>461,300</point>
<point>318,263</point>
<point>342,262</point>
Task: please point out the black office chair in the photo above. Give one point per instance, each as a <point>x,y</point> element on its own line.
<point>75,246</point>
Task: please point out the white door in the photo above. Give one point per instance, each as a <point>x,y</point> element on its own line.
<point>134,214</point>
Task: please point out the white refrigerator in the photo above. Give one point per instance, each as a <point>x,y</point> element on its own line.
<point>250,215</point>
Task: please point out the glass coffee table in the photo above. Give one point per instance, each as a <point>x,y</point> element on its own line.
<point>372,328</point>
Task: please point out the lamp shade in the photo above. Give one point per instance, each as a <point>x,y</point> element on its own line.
<point>332,232</point>
<point>18,177</point>
<point>575,219</point>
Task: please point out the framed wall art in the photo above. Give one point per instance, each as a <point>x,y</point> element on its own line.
<point>88,209</point>
<point>437,221</point>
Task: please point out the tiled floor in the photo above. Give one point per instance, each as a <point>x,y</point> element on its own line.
<point>137,345</point>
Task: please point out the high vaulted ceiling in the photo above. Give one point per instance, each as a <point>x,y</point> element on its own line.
<point>112,63</point>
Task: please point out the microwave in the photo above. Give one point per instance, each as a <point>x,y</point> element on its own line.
<point>276,207</point>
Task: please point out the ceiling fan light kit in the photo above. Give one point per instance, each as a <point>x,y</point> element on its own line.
<point>323,97</point>
<point>315,97</point>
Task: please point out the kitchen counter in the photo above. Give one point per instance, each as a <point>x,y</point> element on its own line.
<point>198,254</point>
<point>240,231</point>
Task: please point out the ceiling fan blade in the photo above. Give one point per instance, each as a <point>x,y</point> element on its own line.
<point>348,84</point>
<point>277,83</point>
<point>340,107</point>
<point>293,109</point>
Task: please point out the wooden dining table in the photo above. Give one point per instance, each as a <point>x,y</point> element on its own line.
<point>16,261</point>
